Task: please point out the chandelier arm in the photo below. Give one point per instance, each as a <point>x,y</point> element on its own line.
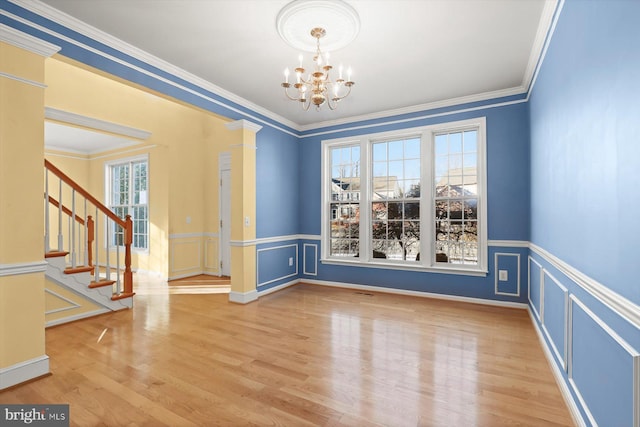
<point>286,92</point>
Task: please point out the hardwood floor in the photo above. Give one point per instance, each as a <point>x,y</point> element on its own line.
<point>306,355</point>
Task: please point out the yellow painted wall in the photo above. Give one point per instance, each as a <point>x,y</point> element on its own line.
<point>21,318</point>
<point>21,201</point>
<point>183,160</point>
<point>76,166</point>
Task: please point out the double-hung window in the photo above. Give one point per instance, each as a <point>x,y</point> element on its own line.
<point>127,190</point>
<point>412,199</point>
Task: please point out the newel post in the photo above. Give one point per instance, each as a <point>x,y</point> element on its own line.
<point>128,239</point>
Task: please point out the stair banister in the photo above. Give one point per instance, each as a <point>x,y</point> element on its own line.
<point>126,224</point>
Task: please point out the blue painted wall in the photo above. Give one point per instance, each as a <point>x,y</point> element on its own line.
<point>277,184</point>
<point>585,143</point>
<point>585,176</point>
<point>507,164</point>
<point>507,196</point>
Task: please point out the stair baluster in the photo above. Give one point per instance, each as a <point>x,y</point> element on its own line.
<point>83,234</point>
<point>60,238</point>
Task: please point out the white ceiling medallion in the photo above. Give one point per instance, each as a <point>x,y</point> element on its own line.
<point>340,21</point>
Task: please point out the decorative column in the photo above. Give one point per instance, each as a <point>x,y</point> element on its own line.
<point>243,211</point>
<point>22,265</point>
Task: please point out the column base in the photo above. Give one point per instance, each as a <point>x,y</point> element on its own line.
<point>243,298</point>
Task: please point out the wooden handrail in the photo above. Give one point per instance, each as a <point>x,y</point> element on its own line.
<point>126,224</point>
<point>65,209</point>
<point>71,183</point>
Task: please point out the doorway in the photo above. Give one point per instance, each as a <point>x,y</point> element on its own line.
<point>225,214</point>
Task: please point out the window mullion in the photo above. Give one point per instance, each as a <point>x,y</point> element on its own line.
<point>427,201</point>
<point>365,200</point>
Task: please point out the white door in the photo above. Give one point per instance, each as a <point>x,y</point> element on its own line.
<point>225,223</point>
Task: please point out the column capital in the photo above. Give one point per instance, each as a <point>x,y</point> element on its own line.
<point>243,124</point>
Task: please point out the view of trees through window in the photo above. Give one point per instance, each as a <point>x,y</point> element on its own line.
<point>395,202</point>
<point>129,189</point>
<point>456,197</point>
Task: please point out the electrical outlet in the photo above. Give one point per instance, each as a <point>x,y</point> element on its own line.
<point>247,221</point>
<point>503,275</point>
<point>290,261</point>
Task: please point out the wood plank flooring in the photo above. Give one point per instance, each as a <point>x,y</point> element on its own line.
<point>304,356</point>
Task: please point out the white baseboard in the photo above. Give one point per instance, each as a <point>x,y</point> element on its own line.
<point>243,298</point>
<point>278,288</point>
<point>482,301</point>
<point>185,275</point>
<point>24,371</point>
<point>564,389</point>
<point>76,317</point>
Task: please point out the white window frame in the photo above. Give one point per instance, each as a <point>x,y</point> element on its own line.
<point>427,199</point>
<point>107,192</point>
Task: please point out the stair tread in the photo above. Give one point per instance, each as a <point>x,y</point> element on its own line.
<point>101,283</point>
<point>122,295</point>
<point>54,254</point>
<point>81,269</point>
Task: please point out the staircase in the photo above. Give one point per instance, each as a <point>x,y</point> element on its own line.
<point>97,274</point>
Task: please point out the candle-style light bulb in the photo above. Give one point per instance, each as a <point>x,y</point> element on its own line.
<point>286,75</point>
<point>340,72</point>
<point>326,57</point>
<point>300,59</point>
<point>349,74</point>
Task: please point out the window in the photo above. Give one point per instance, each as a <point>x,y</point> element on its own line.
<point>128,188</point>
<point>412,199</point>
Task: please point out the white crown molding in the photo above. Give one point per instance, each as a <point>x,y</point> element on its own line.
<point>92,123</point>
<point>23,268</point>
<point>418,108</point>
<point>120,152</point>
<point>416,118</point>
<point>83,28</point>
<point>546,41</point>
<point>27,42</point>
<point>243,124</point>
<point>535,55</point>
<point>619,304</point>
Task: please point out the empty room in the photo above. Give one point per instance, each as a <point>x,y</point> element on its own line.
<point>319,212</point>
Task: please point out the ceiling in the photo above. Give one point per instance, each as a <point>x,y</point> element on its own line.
<point>408,55</point>
<point>61,137</point>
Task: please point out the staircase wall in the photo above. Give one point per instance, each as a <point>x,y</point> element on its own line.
<point>63,305</point>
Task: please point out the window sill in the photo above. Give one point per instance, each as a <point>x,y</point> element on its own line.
<point>478,272</point>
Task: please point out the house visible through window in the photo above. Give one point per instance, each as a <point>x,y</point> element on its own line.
<point>128,195</point>
<point>408,199</point>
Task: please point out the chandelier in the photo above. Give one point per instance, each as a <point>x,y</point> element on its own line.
<point>317,88</point>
